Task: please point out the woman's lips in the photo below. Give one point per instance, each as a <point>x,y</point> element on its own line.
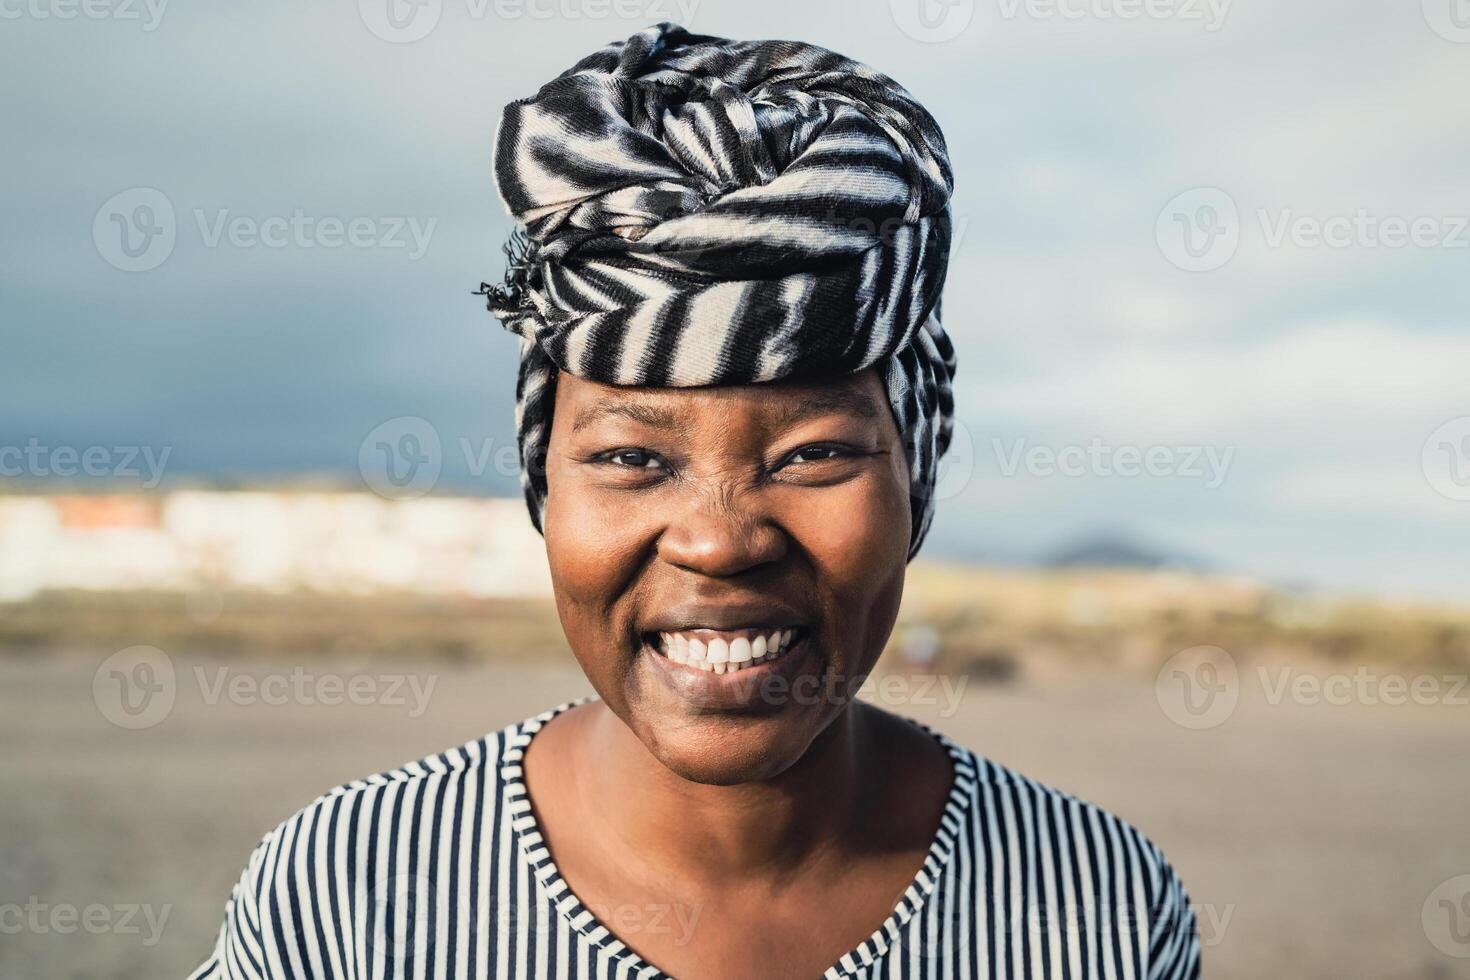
<point>742,686</point>
<point>726,651</point>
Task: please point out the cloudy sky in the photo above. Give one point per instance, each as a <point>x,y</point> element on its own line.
<point>1210,289</point>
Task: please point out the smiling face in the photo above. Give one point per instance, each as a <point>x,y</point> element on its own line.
<point>728,561</point>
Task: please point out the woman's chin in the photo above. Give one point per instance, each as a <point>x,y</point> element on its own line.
<point>729,751</point>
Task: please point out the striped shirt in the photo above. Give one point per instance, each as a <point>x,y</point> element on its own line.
<point>438,871</point>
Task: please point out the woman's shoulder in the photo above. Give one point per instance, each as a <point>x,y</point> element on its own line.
<point>390,839</point>
<point>1083,854</point>
<point>485,761</point>
<point>1008,799</point>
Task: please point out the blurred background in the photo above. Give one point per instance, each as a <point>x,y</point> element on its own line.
<point>1203,548</point>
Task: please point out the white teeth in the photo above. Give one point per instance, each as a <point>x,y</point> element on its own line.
<point>722,656</point>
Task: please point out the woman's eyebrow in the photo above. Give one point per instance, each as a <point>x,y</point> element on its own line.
<point>659,418</point>
<point>829,402</point>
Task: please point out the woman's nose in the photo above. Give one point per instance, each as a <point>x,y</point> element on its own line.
<point>719,533</point>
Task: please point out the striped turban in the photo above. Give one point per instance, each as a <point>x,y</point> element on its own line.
<point>700,211</point>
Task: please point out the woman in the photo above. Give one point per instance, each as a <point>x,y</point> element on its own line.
<point>733,395</point>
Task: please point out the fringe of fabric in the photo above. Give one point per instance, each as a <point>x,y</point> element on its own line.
<point>513,292</point>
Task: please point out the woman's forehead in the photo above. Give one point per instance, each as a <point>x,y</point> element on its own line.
<point>584,403</point>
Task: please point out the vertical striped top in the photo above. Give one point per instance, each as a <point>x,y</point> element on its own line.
<point>438,871</point>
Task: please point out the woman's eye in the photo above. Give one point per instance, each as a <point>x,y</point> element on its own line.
<point>637,458</point>
<point>815,454</point>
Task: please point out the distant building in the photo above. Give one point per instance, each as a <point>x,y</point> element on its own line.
<point>352,543</point>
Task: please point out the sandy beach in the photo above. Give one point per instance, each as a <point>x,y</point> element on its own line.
<point>1309,835</point>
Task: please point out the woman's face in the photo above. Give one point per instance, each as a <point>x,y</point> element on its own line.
<point>690,530</point>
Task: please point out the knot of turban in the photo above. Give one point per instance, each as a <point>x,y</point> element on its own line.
<point>700,211</point>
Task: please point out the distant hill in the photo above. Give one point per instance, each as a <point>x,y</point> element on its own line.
<point>1118,551</point>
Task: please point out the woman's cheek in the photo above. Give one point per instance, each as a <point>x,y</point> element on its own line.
<point>853,531</point>
<point>592,542</point>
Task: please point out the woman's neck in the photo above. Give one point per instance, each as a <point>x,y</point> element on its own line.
<point>657,823</point>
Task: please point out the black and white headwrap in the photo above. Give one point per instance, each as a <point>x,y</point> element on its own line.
<point>700,211</point>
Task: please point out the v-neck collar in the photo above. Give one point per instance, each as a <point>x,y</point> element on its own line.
<point>527,833</point>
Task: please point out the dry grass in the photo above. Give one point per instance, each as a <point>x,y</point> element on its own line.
<point>991,624</point>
